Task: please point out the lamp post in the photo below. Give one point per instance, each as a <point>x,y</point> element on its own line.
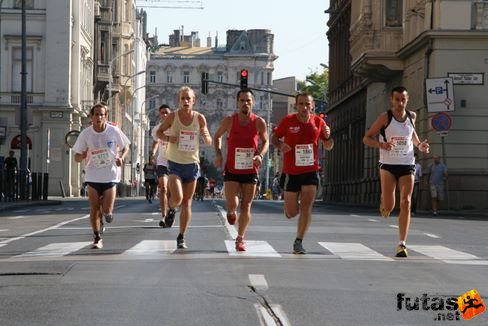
<point>110,77</point>
<point>125,84</point>
<point>268,158</point>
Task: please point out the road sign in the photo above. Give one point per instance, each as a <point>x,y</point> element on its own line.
<point>440,95</point>
<point>441,122</point>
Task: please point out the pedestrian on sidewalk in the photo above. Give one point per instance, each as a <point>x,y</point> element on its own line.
<point>437,182</point>
<point>105,146</point>
<point>297,137</point>
<point>393,133</point>
<point>159,145</point>
<point>247,143</point>
<point>185,126</point>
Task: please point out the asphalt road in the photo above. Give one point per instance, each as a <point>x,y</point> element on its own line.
<point>50,276</point>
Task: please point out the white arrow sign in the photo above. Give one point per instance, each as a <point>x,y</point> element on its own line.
<point>440,94</point>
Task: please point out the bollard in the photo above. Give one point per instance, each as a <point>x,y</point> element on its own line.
<point>35,194</point>
<point>45,187</point>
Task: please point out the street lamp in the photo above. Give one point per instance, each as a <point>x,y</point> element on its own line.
<point>110,77</point>
<point>125,84</point>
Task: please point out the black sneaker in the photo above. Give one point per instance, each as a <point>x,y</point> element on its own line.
<point>298,248</point>
<point>401,250</point>
<point>97,242</point>
<point>108,218</point>
<point>170,217</point>
<point>181,244</point>
<point>162,224</point>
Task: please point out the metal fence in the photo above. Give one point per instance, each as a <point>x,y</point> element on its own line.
<point>23,186</point>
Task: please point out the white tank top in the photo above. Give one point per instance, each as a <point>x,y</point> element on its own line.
<point>400,133</point>
<point>186,151</point>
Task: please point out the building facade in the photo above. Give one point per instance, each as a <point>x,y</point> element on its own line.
<point>182,63</point>
<point>377,45</point>
<point>70,48</point>
<point>59,74</point>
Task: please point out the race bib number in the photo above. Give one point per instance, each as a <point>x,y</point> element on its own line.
<point>304,155</point>
<point>401,146</point>
<point>188,140</point>
<point>243,158</point>
<point>102,157</point>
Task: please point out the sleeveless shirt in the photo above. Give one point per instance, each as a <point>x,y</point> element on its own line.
<point>186,150</point>
<point>400,133</point>
<point>242,145</point>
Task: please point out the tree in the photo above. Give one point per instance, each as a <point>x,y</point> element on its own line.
<point>317,84</point>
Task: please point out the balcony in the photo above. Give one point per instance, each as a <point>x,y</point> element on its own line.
<point>15,98</point>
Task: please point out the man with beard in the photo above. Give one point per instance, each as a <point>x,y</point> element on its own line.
<point>244,156</point>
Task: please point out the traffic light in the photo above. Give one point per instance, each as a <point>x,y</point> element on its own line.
<point>204,82</point>
<point>244,74</point>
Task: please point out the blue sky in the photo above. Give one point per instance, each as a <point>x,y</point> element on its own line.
<point>299,28</point>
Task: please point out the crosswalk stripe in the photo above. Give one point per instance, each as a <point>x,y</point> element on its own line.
<point>449,255</point>
<point>353,251</point>
<point>150,247</point>
<point>55,249</point>
<point>254,249</point>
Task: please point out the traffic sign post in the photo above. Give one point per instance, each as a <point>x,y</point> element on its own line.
<point>441,122</point>
<point>440,94</point>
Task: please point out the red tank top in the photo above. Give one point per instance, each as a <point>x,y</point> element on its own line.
<point>242,145</point>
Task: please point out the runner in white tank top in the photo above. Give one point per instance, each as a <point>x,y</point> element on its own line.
<point>394,134</point>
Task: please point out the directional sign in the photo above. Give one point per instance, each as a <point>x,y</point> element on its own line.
<point>441,122</point>
<point>440,95</point>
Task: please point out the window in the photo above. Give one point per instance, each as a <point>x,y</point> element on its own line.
<point>186,77</point>
<point>220,76</point>
<point>220,104</point>
<point>17,68</point>
<point>169,77</point>
<point>262,102</point>
<point>29,4</point>
<point>152,77</point>
<point>393,13</point>
<point>152,104</point>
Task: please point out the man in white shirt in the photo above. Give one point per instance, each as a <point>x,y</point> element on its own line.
<point>105,147</point>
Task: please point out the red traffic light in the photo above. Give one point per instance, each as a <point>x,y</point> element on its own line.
<point>244,73</point>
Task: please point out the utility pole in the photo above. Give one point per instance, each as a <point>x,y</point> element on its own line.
<point>23,112</point>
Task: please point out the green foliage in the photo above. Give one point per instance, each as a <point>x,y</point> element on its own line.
<point>317,84</point>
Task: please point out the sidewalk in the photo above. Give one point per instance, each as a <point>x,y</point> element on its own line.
<point>461,213</point>
<point>7,206</point>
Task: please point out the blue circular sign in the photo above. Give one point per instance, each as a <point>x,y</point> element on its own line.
<point>441,121</point>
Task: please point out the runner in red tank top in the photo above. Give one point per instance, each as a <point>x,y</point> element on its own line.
<point>244,156</point>
<point>297,136</point>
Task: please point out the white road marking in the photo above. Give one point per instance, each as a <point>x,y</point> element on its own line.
<point>431,235</point>
<point>254,249</point>
<point>258,281</point>
<point>449,256</point>
<point>153,247</point>
<point>15,217</point>
<point>353,251</point>
<point>265,318</point>
<point>372,220</point>
<point>55,249</point>
<point>393,226</point>
<point>230,228</point>
<point>43,230</point>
